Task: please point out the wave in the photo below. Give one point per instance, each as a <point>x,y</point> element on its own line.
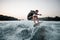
<point>24,30</point>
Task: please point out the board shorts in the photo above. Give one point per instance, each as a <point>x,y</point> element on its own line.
<point>35,16</point>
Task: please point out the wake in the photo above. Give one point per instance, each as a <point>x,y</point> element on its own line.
<point>24,30</point>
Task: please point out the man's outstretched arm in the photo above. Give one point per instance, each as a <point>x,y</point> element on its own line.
<point>39,14</point>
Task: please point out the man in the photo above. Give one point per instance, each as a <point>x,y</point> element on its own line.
<point>33,16</point>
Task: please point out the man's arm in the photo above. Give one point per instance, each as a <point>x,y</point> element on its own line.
<point>39,14</point>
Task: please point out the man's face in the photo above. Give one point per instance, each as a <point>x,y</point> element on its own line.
<point>36,11</point>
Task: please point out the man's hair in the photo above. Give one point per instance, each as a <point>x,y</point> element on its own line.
<point>36,10</point>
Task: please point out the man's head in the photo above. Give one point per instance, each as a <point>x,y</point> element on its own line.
<point>36,11</point>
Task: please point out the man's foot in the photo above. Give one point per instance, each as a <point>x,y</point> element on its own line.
<point>36,24</point>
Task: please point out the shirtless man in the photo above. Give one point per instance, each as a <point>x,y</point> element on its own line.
<point>33,16</point>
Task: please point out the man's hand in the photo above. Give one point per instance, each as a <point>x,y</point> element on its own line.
<point>40,14</point>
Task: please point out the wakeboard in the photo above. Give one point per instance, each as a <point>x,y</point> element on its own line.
<point>37,24</point>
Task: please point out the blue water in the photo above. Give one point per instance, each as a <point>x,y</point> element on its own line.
<point>24,30</point>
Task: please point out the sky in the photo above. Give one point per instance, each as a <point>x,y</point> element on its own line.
<point>21,8</point>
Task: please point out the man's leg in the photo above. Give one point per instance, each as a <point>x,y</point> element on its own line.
<point>34,19</point>
<point>37,19</point>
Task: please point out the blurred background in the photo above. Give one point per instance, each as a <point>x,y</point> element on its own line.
<point>20,8</point>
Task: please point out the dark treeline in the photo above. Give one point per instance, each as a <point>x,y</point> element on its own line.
<point>4,18</point>
<point>7,18</point>
<point>56,18</point>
